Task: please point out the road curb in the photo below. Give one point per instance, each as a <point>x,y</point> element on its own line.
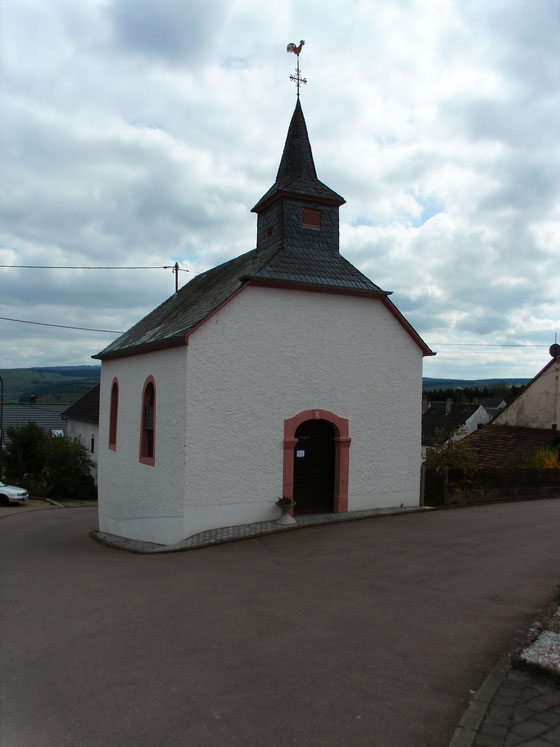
<point>466,732</point>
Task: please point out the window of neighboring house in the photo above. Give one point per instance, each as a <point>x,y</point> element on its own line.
<point>311,218</point>
<point>148,424</point>
<point>92,444</point>
<point>113,416</point>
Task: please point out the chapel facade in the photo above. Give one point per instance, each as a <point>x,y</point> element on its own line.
<point>282,372</point>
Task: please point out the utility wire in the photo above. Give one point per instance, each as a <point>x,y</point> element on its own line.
<point>489,344</point>
<point>93,267</point>
<point>434,344</point>
<point>61,326</point>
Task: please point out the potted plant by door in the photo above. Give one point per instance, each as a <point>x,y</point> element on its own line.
<point>286,504</point>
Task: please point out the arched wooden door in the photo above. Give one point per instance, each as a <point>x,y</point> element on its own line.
<point>314,467</point>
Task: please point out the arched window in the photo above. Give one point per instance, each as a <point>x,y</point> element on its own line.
<point>113,415</point>
<point>148,423</point>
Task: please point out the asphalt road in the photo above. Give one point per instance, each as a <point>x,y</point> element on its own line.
<point>364,633</point>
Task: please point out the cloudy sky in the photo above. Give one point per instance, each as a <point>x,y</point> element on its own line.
<point>141,132</point>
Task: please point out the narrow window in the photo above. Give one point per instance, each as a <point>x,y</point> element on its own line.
<point>92,444</point>
<point>268,232</point>
<point>113,415</point>
<point>311,218</point>
<point>147,426</point>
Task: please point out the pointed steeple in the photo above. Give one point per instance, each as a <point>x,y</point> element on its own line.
<point>296,175</point>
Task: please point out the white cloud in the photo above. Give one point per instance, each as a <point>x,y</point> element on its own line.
<point>140,133</point>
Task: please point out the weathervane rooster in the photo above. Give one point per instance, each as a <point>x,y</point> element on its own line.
<point>296,50</point>
<point>297,79</point>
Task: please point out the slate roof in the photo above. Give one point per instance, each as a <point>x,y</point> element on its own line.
<point>296,173</point>
<point>47,416</point>
<point>499,446</point>
<point>181,313</point>
<point>436,423</point>
<point>86,408</point>
<point>168,325</point>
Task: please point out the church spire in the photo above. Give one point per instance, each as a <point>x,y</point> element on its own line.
<point>296,175</point>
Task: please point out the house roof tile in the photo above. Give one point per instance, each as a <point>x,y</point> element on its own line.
<point>86,408</point>
<point>438,425</point>
<point>499,446</point>
<point>47,416</point>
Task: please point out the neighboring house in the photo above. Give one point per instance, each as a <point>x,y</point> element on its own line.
<point>441,419</point>
<point>492,405</point>
<point>529,422</point>
<point>47,416</point>
<point>284,371</point>
<point>82,421</point>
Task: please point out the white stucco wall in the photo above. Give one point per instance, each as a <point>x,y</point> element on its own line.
<point>539,405</point>
<point>84,431</point>
<point>136,500</point>
<point>270,354</point>
<point>479,417</point>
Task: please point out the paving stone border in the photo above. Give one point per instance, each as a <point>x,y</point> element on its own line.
<point>516,707</point>
<point>247,531</point>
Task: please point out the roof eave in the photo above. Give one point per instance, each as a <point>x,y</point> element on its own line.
<point>266,201</point>
<point>426,350</point>
<point>257,281</point>
<point>148,347</point>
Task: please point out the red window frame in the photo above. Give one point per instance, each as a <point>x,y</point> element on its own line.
<point>148,423</point>
<point>114,415</point>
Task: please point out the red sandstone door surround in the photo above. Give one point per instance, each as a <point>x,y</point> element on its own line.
<point>341,454</point>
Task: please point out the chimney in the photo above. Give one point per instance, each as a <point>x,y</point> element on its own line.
<point>448,405</point>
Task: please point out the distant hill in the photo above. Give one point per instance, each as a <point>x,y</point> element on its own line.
<point>430,385</point>
<point>67,383</point>
<point>52,384</point>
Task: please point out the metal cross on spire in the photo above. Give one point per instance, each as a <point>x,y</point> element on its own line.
<point>298,80</point>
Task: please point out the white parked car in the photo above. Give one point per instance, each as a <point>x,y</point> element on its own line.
<point>12,494</point>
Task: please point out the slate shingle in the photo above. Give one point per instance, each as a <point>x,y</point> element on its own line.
<point>436,423</point>
<point>86,408</point>
<point>296,173</point>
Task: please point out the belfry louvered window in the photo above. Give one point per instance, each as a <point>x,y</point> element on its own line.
<point>311,218</point>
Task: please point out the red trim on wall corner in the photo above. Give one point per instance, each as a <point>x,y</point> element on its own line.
<point>341,454</point>
<point>114,414</point>
<point>150,461</point>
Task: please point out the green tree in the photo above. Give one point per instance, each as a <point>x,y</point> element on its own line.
<point>25,455</point>
<point>452,453</point>
<point>68,469</point>
<point>49,466</point>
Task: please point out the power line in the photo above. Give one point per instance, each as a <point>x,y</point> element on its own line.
<point>486,345</point>
<point>94,267</point>
<point>60,326</point>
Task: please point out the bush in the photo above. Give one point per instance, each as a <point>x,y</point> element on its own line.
<point>545,458</point>
<point>454,453</point>
<point>68,470</point>
<point>51,466</point>
<point>25,453</point>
